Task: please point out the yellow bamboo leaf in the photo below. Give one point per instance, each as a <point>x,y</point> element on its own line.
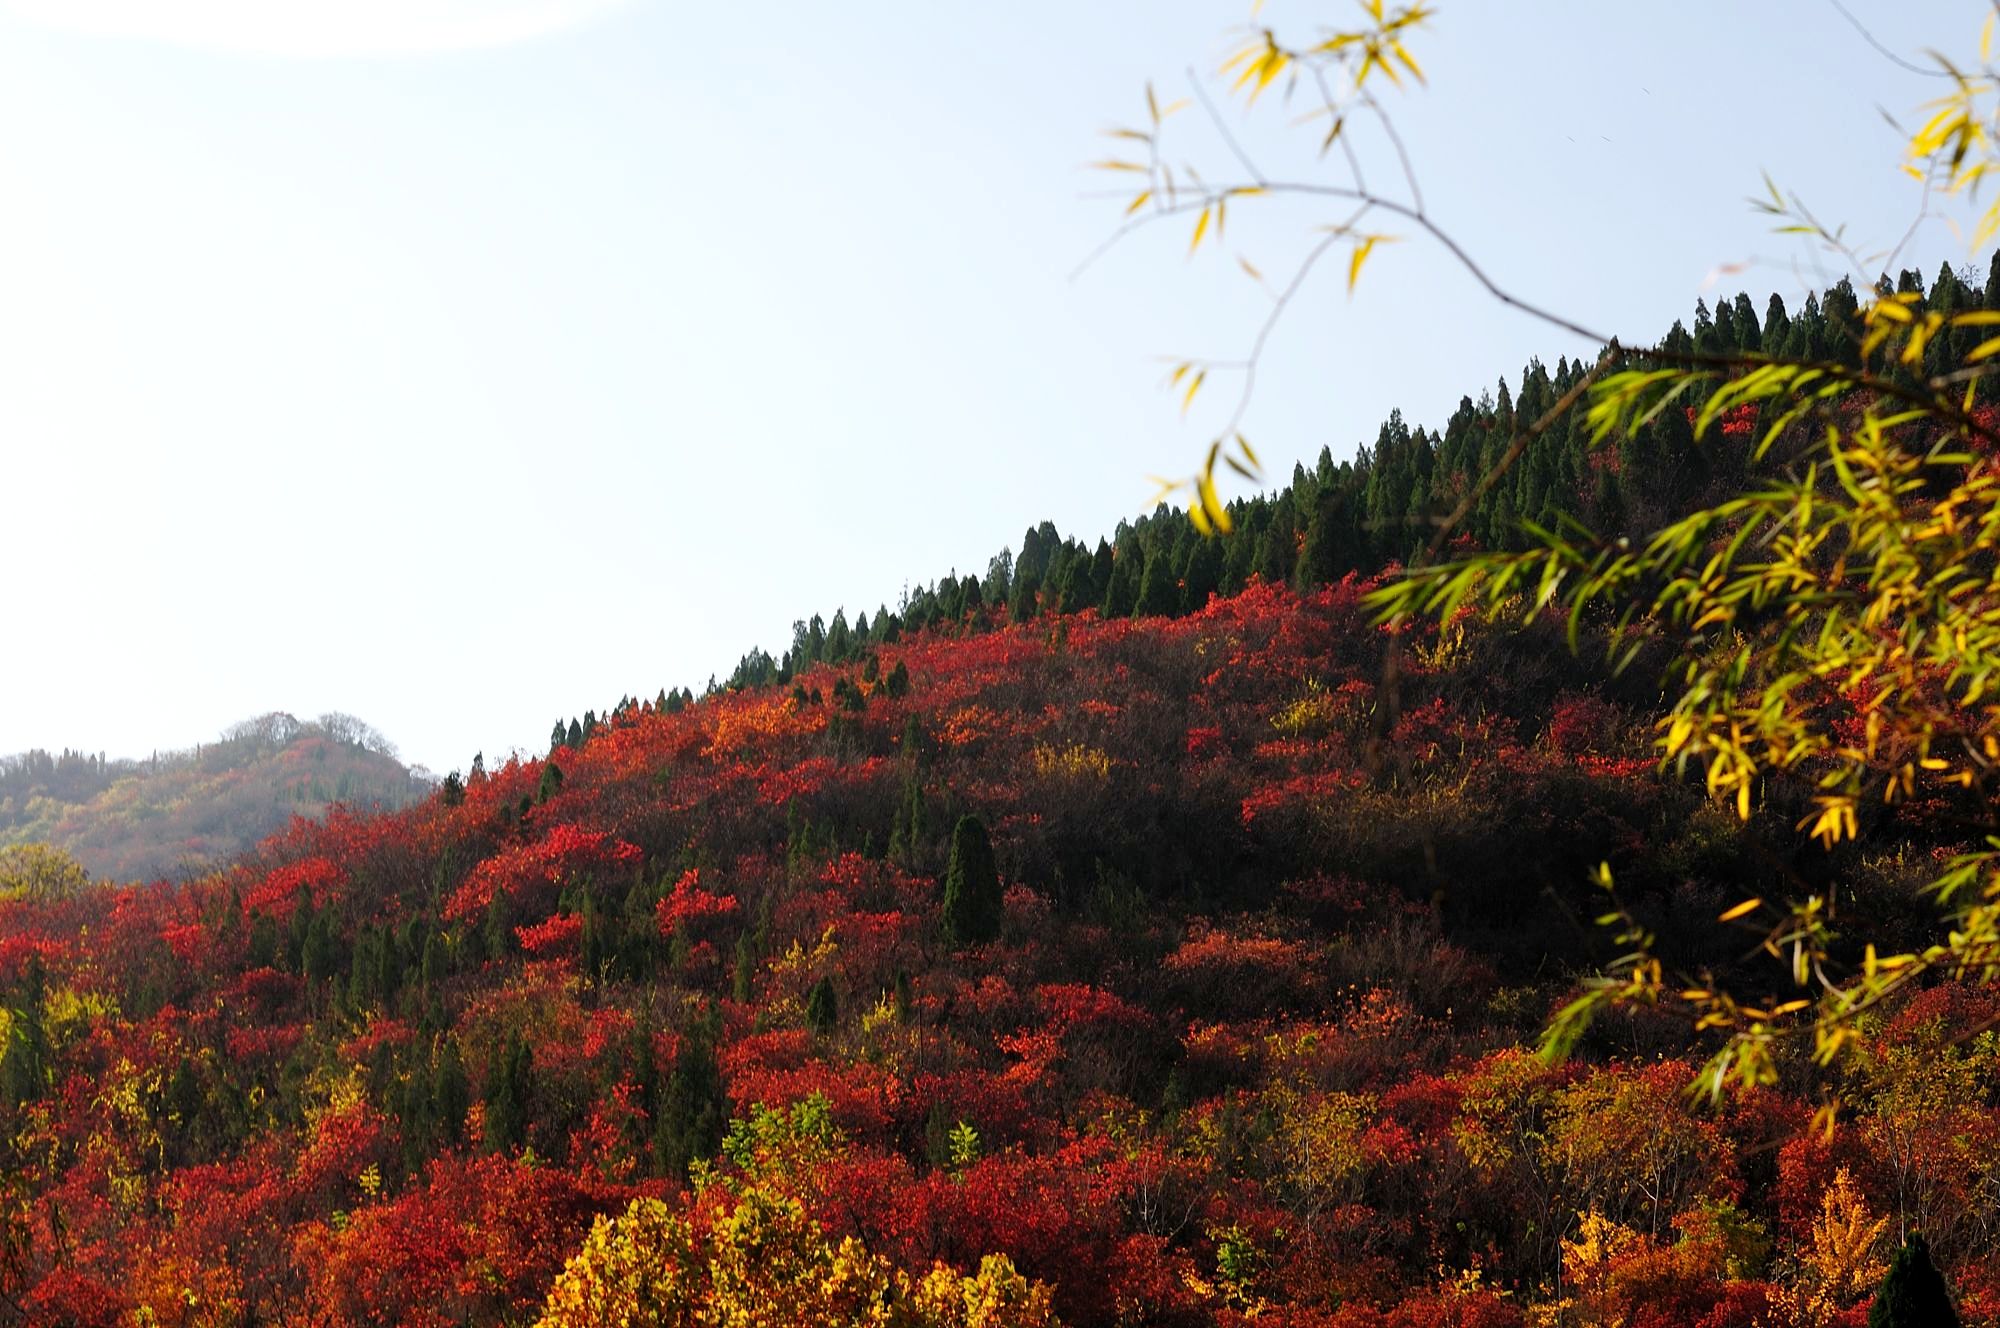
<point>1361,251</point>
<point>1743,909</point>
<point>1194,386</point>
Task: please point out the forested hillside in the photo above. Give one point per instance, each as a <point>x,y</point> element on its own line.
<point>1103,946</point>
<point>1141,933</point>
<point>1384,505</point>
<point>182,812</point>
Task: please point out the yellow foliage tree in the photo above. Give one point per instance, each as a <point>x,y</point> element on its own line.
<point>1840,1266</point>
<point>39,872</point>
<point>767,1264</point>
<point>759,1260</point>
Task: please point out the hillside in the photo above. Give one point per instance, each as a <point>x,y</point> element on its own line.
<point>1232,1019</point>
<point>176,813</point>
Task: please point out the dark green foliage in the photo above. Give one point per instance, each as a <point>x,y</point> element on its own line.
<point>693,1106</point>
<point>1159,587</point>
<point>434,962</point>
<point>320,955</point>
<point>899,680</point>
<point>509,1084</point>
<point>822,1008</point>
<point>24,1073</point>
<point>972,902</point>
<point>551,782</point>
<point>451,1092</point>
<point>1913,1293</point>
<point>498,933</point>
<point>743,975</point>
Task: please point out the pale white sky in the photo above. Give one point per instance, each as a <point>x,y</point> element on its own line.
<point>466,363</point>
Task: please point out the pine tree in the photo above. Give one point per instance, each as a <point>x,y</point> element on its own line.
<point>498,933</point>
<point>551,782</point>
<point>321,958</point>
<point>972,904</point>
<point>743,978</point>
<point>508,1085</point>
<point>1159,588</point>
<point>692,1104</point>
<point>1121,589</point>
<point>451,1092</point>
<point>1913,1293</point>
<point>1201,576</point>
<point>822,1008</point>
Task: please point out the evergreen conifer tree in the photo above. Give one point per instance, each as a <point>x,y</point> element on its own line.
<point>972,903</point>
<point>451,1094</point>
<point>822,1008</point>
<point>1912,1294</point>
<point>1159,588</point>
<point>508,1086</point>
<point>691,1114</point>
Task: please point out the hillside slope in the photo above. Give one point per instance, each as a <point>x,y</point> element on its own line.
<point>178,813</point>
<point>1232,1021</point>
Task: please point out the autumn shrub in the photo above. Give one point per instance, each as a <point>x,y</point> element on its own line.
<point>1407,955</point>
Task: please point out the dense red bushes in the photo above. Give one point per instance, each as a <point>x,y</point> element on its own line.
<point>1250,1044</point>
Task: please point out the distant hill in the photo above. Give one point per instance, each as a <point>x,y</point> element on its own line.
<point>175,812</point>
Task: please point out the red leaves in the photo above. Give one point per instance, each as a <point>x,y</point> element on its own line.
<point>690,903</point>
<point>555,935</point>
<point>315,875</point>
<point>565,851</point>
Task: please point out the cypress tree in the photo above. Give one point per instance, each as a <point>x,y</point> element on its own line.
<point>499,930</point>
<point>322,949</point>
<point>1025,598</point>
<point>1159,589</point>
<point>822,1008</point>
<point>416,1119</point>
<point>691,1107</point>
<point>433,962</point>
<point>1777,324</point>
<point>1913,1293</point>
<point>972,907</point>
<point>508,1085</point>
<point>1202,575</point>
<point>551,782</point>
<point>743,980</point>
<point>1748,335</point>
<point>451,1094</point>
<point>899,680</point>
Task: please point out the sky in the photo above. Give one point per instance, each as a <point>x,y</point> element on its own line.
<point>464,364</point>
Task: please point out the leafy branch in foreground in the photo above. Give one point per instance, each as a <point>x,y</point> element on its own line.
<point>1835,623</point>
